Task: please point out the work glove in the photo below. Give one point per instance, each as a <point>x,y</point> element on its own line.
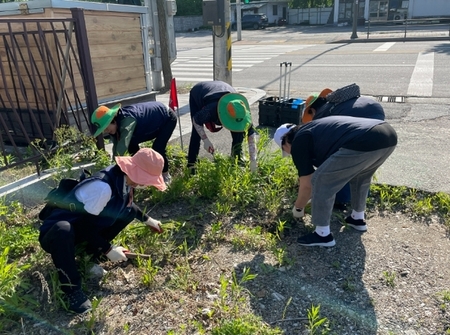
<point>154,225</point>
<point>116,254</point>
<point>253,166</point>
<point>298,213</point>
<point>208,145</point>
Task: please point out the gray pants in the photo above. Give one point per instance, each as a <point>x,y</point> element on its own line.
<point>344,166</point>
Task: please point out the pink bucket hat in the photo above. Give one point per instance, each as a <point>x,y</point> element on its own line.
<point>144,168</point>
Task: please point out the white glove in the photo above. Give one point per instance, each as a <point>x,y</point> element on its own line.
<point>154,225</point>
<point>253,166</point>
<point>298,213</point>
<point>116,254</point>
<point>208,145</point>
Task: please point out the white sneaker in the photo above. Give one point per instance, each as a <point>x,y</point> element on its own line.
<point>96,271</point>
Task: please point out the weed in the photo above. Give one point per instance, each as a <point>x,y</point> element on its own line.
<point>316,323</point>
<point>389,278</point>
<point>245,325</point>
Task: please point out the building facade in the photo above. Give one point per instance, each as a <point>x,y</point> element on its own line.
<point>386,10</point>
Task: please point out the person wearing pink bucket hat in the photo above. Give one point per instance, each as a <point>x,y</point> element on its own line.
<point>94,213</point>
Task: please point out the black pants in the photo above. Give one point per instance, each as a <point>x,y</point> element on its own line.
<point>161,137</point>
<point>236,144</point>
<point>60,242</point>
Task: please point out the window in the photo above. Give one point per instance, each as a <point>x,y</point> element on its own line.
<point>275,9</point>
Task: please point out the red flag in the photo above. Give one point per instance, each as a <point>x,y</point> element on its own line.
<point>173,99</point>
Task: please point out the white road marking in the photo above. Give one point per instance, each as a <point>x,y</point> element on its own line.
<point>421,83</point>
<point>384,47</point>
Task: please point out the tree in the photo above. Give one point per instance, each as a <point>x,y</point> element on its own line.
<point>189,7</point>
<point>310,3</point>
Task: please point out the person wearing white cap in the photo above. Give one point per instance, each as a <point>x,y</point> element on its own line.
<point>95,212</point>
<point>328,153</point>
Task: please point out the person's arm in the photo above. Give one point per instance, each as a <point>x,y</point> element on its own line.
<point>201,132</point>
<point>304,191</point>
<point>94,196</point>
<point>127,127</point>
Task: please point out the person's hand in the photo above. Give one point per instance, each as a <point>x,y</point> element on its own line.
<point>116,254</point>
<point>208,145</point>
<point>253,166</point>
<point>154,225</point>
<point>298,213</point>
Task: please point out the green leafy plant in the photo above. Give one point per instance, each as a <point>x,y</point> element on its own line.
<point>389,278</point>
<point>316,323</point>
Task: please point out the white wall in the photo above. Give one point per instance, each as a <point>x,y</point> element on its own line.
<point>430,8</point>
<point>311,15</point>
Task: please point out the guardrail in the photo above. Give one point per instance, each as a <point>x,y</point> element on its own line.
<point>410,25</point>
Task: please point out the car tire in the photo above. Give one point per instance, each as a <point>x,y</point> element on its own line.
<point>255,26</point>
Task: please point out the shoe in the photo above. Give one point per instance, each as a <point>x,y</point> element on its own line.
<point>315,240</point>
<point>167,178</point>
<point>79,302</point>
<point>359,225</point>
<point>96,271</point>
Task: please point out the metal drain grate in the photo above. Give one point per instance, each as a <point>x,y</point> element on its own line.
<point>390,99</point>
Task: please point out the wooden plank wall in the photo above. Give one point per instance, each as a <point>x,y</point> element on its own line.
<point>115,43</point>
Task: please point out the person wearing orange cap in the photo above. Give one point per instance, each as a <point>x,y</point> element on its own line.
<point>216,104</point>
<point>97,210</point>
<point>319,105</point>
<point>129,126</point>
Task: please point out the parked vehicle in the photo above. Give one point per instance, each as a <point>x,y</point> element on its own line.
<point>253,21</point>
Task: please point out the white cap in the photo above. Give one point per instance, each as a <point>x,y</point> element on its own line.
<point>279,133</point>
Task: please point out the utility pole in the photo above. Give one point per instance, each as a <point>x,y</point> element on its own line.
<point>238,20</point>
<point>355,20</point>
<point>164,42</point>
<point>222,45</point>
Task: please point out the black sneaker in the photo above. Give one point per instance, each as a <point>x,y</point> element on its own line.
<point>359,225</point>
<point>79,302</point>
<point>315,240</point>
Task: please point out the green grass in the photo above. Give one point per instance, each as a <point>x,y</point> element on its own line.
<point>216,203</point>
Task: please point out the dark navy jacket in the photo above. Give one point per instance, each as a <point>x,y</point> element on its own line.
<point>150,116</point>
<point>114,209</point>
<point>358,107</point>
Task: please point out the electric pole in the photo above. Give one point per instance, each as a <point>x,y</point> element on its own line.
<point>355,20</point>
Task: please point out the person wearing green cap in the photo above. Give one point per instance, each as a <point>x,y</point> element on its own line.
<point>131,125</point>
<point>216,104</point>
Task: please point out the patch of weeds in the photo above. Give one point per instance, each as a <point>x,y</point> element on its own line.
<point>94,316</point>
<point>389,278</point>
<point>182,277</point>
<point>13,286</point>
<point>248,324</point>
<point>254,239</point>
<point>336,265</point>
<point>349,284</point>
<point>316,323</point>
